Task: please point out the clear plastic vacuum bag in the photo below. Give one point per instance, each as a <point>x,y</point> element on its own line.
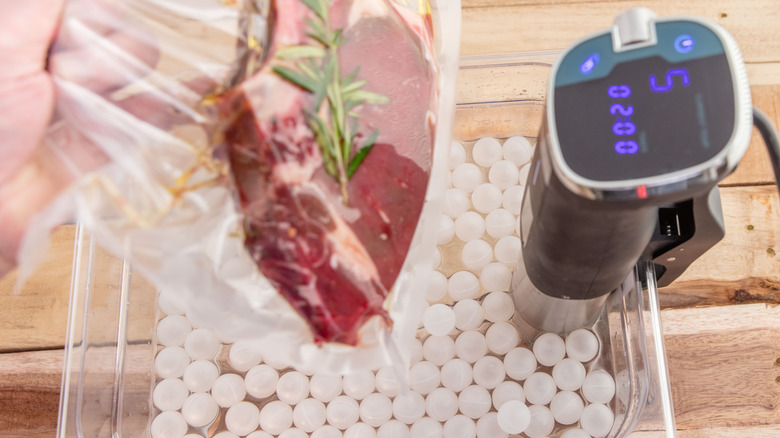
<point>275,167</point>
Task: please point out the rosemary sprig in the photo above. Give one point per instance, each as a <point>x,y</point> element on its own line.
<point>332,119</point>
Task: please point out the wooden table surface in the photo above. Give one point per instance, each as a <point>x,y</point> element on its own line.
<point>721,318</point>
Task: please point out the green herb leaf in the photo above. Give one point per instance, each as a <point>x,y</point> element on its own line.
<point>368,97</point>
<point>317,6</point>
<point>295,52</point>
<point>362,153</point>
<point>296,78</point>
<point>350,87</point>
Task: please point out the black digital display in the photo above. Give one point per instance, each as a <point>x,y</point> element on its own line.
<point>647,117</point>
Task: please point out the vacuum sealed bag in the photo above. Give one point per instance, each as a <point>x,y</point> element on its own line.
<point>274,167</point>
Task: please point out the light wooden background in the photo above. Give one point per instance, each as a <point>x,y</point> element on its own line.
<point>721,319</point>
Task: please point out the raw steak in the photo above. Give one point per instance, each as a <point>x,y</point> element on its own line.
<point>334,258</point>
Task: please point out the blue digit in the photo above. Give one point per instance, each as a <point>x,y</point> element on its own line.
<point>670,74</point>
<point>624,147</point>
<point>619,91</point>
<point>623,128</point>
<point>618,108</point>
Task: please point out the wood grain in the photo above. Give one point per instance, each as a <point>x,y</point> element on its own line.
<point>30,392</point>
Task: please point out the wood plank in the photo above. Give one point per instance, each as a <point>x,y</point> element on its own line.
<point>29,393</point>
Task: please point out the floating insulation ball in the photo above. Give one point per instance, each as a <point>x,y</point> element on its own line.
<point>201,344</point>
<point>513,417</point>
<point>200,410</point>
<point>468,314</point>
<point>499,222</point>
<point>415,351</point>
<point>469,226</point>
<point>456,375</point>
<point>463,285</point>
<point>326,431</point>
<point>438,349</point>
<point>392,429</point>
<point>456,202</point>
<point>549,349</point>
<point>476,254</point>
<point>292,387</point>
<point>539,388</point>
<point>244,354</point>
<point>169,304</point>
<point>170,424</point>
<point>471,346</point>
<point>276,417</point>
<point>582,345</point>
<point>446,230</point>
<point>441,404</point>
<point>597,420</point>
<point>426,427</point>
<point>467,177</point>
<point>309,414</point>
<point>263,434</point>
<point>173,330</point>
<point>242,418</point>
<point>542,422</point>
<point>260,381</point>
<point>360,430</point>
<point>512,199</point>
<point>474,401</point>
<point>486,198</point>
<point>376,409</point>
<point>228,390</point>
<point>497,306</point>
<point>487,427</point>
<point>171,362</point>
<point>503,174</point>
<point>438,320</point>
<point>566,407</point>
<point>293,433</point>
<point>507,391</point>
<point>424,377</point>
<point>408,407</point>
<point>386,381</point>
<point>325,387</point>
<point>518,150</point>
<point>457,155</point>
<point>489,372</point>
<point>342,412</point>
<point>170,394</point>
<point>508,249</point>
<point>437,287</point>
<point>200,375</point>
<point>487,151</point>
<point>598,387</point>
<point>520,363</point>
<point>575,433</point>
<point>496,277</point>
<point>522,177</point>
<point>225,434</point>
<point>436,258</point>
<point>358,384</point>
<point>460,426</point>
<point>568,374</point>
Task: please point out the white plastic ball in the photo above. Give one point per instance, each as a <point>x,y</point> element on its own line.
<point>275,417</point>
<point>469,226</point>
<point>439,320</point>
<point>392,429</point>
<point>360,430</point>
<point>503,174</point>
<point>486,198</point>
<point>171,362</point>
<point>408,407</point>
<point>513,417</point>
<point>260,434</point>
<point>201,343</point>
<point>502,337</point>
<point>507,391</point>
<point>386,381</point>
<point>437,287</point>
<point>456,374</point>
<point>566,407</point>
<point>441,404</point>
<point>446,230</point>
<point>456,202</point>
<point>170,424</point>
<point>520,363</point>
<point>199,410</point>
<point>424,377</point>
<point>468,314</point>
<point>489,372</point>
<point>457,155</point>
<point>326,431</point>
<point>549,349</point>
<point>325,387</point>
<point>225,434</point>
<point>470,346</point>
<point>487,151</point>
<point>463,285</point>
<point>487,427</point>
<point>512,199</point>
<point>275,363</point>
<point>436,258</point>
<point>170,304</point>
<point>309,414</point>
<point>460,426</point>
<point>522,177</point>
<point>499,223</point>
<point>474,401</point>
<point>568,374</point>
<point>539,388</point>
<point>426,427</point>
<point>518,150</point>
<point>508,249</point>
<point>467,177</point>
<point>170,394</point>
<point>582,345</point>
<point>476,254</point>
<point>228,390</point>
<point>244,355</point>
<point>415,352</point>
<point>598,387</point>
<point>200,375</point>
<point>292,387</point>
<point>260,381</point>
<point>597,420</point>
<point>498,306</point>
<point>542,422</point>
<point>242,418</point>
<point>358,384</point>
<point>376,409</point>
<point>293,433</point>
<point>438,349</point>
<point>342,412</point>
<point>496,277</point>
<point>173,330</point>
<point>575,433</point>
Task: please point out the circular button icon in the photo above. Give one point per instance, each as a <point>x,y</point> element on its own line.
<point>683,43</point>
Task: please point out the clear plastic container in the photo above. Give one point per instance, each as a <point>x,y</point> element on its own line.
<point>109,374</point>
